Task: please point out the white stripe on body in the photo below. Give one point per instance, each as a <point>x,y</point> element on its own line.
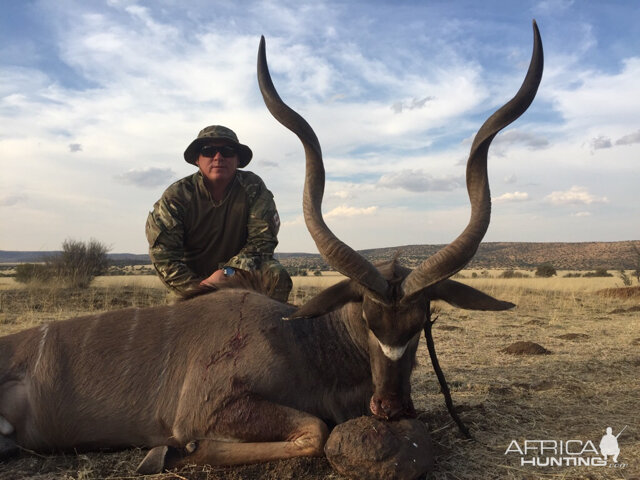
<point>43,341</point>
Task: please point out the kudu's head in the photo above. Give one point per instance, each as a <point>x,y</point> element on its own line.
<point>395,300</point>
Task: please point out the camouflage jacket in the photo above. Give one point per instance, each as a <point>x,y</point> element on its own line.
<point>190,236</point>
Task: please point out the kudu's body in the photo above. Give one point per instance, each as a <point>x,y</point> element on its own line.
<point>223,378</point>
<point>175,374</point>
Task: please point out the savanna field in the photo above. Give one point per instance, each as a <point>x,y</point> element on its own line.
<point>583,380</point>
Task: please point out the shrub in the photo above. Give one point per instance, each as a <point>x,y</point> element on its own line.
<point>75,266</point>
<point>33,272</point>
<point>545,270</point>
<point>80,262</point>
<point>599,272</point>
<point>510,273</point>
<point>297,271</point>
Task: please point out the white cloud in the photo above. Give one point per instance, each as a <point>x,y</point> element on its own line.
<point>601,142</point>
<point>342,194</point>
<point>415,103</point>
<point>147,177</point>
<point>126,86</point>
<point>298,220</point>
<point>553,6</point>
<point>345,211</point>
<point>574,196</point>
<point>518,137</point>
<point>588,99</point>
<point>629,139</point>
<point>581,214</point>
<point>511,197</point>
<point>420,181</point>
<point>9,200</point>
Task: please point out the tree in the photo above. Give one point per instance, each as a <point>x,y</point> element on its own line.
<point>636,272</point>
<point>626,281</point>
<point>545,270</point>
<point>598,272</point>
<point>79,262</point>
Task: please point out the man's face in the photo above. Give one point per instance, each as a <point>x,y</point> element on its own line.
<point>220,168</point>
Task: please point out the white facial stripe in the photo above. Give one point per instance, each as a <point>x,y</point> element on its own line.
<point>393,353</point>
<point>379,302</point>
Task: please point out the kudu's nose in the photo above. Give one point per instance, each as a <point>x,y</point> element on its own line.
<point>386,408</point>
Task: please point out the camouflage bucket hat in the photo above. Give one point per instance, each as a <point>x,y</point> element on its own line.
<point>217,132</point>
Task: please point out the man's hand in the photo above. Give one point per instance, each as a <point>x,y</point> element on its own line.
<point>216,277</point>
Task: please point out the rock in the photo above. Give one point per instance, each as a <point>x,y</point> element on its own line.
<point>525,348</point>
<point>369,449</point>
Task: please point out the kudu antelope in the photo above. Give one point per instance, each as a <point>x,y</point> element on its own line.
<point>233,376</point>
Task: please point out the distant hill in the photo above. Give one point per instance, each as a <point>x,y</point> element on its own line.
<point>564,256</point>
<point>41,256</point>
<point>24,257</point>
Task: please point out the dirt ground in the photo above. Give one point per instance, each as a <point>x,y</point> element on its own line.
<point>588,382</point>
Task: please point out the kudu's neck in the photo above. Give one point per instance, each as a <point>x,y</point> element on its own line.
<point>349,318</point>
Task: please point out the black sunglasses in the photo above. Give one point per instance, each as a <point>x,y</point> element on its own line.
<point>210,151</point>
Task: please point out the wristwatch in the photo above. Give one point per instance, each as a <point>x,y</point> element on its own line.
<point>228,271</point>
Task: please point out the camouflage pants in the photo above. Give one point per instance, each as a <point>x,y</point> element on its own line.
<point>278,279</point>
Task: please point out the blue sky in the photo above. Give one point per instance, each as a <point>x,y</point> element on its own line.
<point>98,100</point>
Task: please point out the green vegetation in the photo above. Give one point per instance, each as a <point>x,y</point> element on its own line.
<point>545,270</point>
<point>598,272</point>
<point>77,264</point>
<point>513,274</point>
<point>626,281</point>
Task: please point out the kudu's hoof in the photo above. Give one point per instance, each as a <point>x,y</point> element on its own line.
<point>8,447</point>
<point>155,460</point>
<point>164,457</point>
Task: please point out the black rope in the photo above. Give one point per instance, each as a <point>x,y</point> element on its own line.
<point>443,382</point>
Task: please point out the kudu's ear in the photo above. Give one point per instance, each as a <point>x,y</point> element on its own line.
<point>463,296</point>
<point>329,299</point>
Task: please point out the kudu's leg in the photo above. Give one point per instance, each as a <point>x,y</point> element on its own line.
<point>247,430</point>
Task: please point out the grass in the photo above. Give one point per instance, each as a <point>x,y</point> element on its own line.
<point>588,382</point>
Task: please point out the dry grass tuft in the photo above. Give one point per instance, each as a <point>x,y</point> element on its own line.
<point>624,292</point>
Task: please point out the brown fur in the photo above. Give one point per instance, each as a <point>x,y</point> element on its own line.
<point>200,370</point>
<point>242,279</point>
